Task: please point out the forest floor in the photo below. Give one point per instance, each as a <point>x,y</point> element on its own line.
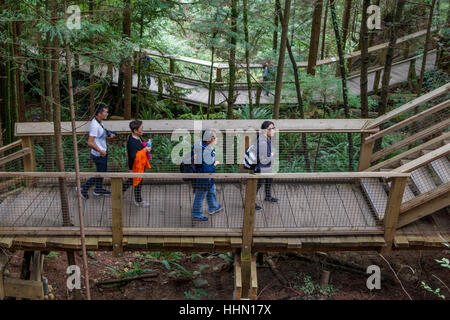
<point>210,276</point>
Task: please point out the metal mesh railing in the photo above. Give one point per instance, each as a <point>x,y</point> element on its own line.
<point>293,152</point>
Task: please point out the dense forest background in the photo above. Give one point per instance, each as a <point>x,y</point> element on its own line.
<point>35,42</point>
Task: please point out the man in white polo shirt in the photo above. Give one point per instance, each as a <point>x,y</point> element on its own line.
<point>97,143</point>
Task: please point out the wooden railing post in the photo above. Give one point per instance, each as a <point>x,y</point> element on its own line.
<point>365,153</point>
<point>29,161</point>
<point>376,82</point>
<point>117,212</point>
<point>218,75</point>
<point>242,154</point>
<point>258,96</point>
<point>160,87</point>
<point>392,211</point>
<point>172,66</point>
<point>247,235</point>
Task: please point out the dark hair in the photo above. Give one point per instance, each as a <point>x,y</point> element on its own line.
<point>135,124</point>
<point>100,108</point>
<point>266,124</point>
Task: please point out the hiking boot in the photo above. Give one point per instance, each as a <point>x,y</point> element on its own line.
<point>217,210</point>
<point>200,218</point>
<point>84,193</point>
<point>271,199</point>
<point>142,204</point>
<point>258,208</point>
<point>102,192</point>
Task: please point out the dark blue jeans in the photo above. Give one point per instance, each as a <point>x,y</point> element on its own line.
<point>101,164</point>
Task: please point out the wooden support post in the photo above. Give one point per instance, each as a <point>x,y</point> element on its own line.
<point>392,211</point>
<point>213,96</point>
<point>37,265</point>
<point>254,280</point>
<point>376,82</point>
<point>29,161</point>
<point>242,154</point>
<point>406,50</point>
<point>172,66</point>
<point>3,261</point>
<point>117,220</point>
<point>237,277</point>
<point>258,96</point>
<point>160,87</point>
<point>218,75</point>
<point>247,235</point>
<point>365,153</point>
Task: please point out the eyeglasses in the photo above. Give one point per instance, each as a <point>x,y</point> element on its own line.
<point>271,128</point>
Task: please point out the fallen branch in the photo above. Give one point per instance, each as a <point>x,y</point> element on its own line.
<point>277,273</point>
<point>129,279</point>
<point>401,284</point>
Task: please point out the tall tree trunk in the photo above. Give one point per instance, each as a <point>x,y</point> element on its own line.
<point>344,81</point>
<point>315,37</point>
<point>372,34</point>
<point>364,43</point>
<point>20,92</point>
<point>345,22</point>
<point>77,169</point>
<point>388,65</point>
<point>324,32</point>
<point>282,53</point>
<point>57,120</point>
<point>425,50</point>
<point>299,100</point>
<point>139,67</point>
<point>247,57</point>
<point>91,76</point>
<point>128,76</point>
<point>232,59</point>
<point>211,96</point>
<point>275,22</point>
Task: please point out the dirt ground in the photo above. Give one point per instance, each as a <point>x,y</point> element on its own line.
<point>210,276</point>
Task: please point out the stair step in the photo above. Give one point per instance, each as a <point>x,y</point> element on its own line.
<point>441,167</point>
<point>407,194</point>
<point>422,180</point>
<point>376,195</point>
<point>445,142</point>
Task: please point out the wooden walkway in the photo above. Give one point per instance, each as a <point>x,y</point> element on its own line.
<point>302,206</point>
<point>198,93</point>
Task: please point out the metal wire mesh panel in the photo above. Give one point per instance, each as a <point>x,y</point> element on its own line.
<point>327,204</point>
<point>293,152</point>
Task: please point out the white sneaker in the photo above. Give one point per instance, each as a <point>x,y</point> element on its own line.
<point>142,204</point>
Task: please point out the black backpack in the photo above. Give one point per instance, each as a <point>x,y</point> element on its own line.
<point>188,167</point>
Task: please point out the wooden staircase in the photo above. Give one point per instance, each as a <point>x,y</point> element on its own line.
<point>428,188</point>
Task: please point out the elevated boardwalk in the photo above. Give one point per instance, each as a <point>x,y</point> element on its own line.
<point>198,90</point>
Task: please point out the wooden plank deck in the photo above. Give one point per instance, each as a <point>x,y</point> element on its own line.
<point>301,205</point>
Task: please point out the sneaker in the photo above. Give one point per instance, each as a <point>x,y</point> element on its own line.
<point>102,192</point>
<point>271,199</point>
<point>142,204</point>
<point>217,210</point>
<point>200,218</point>
<point>258,208</point>
<point>84,194</point>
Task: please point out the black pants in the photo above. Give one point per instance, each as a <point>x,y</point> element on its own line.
<point>137,189</point>
<point>101,163</point>
<point>267,185</point>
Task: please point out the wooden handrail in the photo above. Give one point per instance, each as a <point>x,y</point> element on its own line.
<point>439,127</point>
<point>410,153</point>
<point>11,146</point>
<point>425,197</point>
<point>410,105</point>
<point>169,126</point>
<point>405,122</point>
<point>14,156</point>
<point>425,159</point>
<point>218,176</point>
